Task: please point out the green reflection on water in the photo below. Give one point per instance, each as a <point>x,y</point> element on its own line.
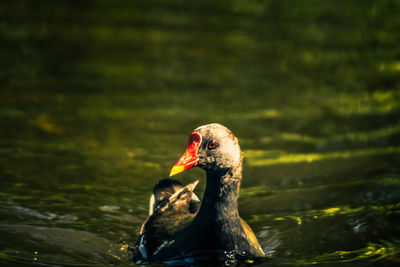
<point>373,253</point>
<point>255,156</point>
<point>310,215</point>
<point>97,100</point>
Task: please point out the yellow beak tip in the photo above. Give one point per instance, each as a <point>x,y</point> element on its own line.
<point>176,170</point>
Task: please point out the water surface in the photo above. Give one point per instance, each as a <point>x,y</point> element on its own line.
<point>98,100</point>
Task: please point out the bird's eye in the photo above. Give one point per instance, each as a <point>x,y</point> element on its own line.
<point>212,144</point>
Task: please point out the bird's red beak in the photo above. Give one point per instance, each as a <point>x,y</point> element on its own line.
<point>189,158</point>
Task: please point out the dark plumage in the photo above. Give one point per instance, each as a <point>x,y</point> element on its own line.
<point>165,188</point>
<point>175,228</point>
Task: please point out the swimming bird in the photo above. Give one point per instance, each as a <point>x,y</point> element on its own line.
<point>177,228</point>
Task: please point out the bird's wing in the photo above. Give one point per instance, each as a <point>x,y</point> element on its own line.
<point>251,237</point>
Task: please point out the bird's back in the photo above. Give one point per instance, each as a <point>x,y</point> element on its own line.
<point>171,215</point>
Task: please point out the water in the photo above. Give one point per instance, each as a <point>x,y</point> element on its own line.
<point>98,100</point>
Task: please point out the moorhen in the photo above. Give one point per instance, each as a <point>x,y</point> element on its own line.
<point>176,228</point>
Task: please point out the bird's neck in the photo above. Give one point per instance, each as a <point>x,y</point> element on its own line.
<point>222,190</point>
<point>220,200</point>
<point>218,218</point>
